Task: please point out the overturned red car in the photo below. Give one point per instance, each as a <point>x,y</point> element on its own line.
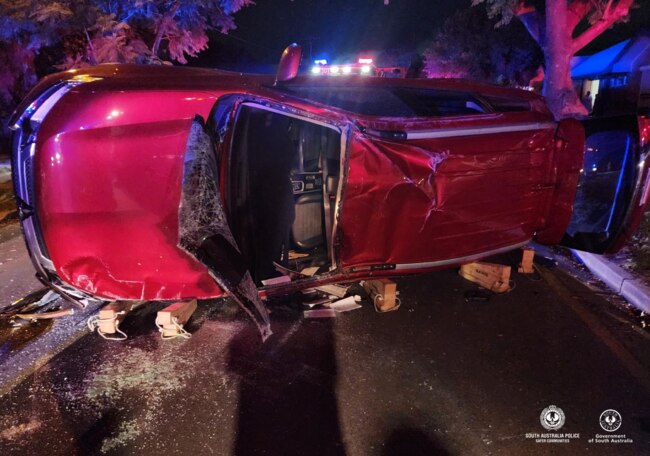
<point>168,183</point>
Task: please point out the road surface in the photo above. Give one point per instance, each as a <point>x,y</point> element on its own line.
<point>440,376</point>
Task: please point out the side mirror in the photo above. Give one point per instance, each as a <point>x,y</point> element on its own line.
<point>289,63</point>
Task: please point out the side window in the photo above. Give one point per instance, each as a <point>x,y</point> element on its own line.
<point>503,104</point>
<point>440,103</point>
<point>393,101</point>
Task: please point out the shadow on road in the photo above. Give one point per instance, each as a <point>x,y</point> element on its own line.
<point>406,440</point>
<point>287,398</point>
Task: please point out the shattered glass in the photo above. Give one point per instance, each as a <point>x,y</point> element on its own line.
<point>203,228</point>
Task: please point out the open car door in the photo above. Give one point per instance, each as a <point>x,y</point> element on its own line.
<point>260,183</point>
<point>614,184</point>
<point>204,232</point>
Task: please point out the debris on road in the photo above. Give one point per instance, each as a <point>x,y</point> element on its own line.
<point>337,290</point>
<point>45,315</point>
<point>309,272</point>
<point>317,302</point>
<point>319,313</point>
<point>276,280</point>
<point>39,305</point>
<point>293,255</point>
<point>346,304</point>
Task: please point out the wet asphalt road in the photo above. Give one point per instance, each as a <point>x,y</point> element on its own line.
<point>440,376</point>
<point>16,270</point>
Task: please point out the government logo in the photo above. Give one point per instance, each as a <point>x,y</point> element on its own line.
<point>610,420</point>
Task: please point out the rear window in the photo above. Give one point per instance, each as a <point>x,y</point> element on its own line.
<point>393,101</point>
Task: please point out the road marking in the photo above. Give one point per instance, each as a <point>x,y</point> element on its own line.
<point>636,369</point>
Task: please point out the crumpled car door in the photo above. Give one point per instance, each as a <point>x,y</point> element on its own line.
<point>456,192</point>
<point>203,228</point>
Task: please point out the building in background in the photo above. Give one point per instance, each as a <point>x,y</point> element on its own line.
<point>618,78</point>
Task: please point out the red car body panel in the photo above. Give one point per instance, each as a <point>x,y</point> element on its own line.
<point>108,180</point>
<point>450,198</point>
<point>108,175</point>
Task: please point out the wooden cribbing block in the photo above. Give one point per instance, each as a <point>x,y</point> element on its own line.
<point>383,293</point>
<point>494,277</point>
<point>180,312</point>
<point>111,315</point>
<point>526,265</point>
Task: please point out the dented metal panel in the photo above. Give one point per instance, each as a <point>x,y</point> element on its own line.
<point>430,200</point>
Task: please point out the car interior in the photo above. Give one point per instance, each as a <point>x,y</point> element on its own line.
<point>283,180</point>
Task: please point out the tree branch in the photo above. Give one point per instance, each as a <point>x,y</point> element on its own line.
<point>578,10</point>
<point>531,19</point>
<point>610,16</point>
<point>93,55</point>
<point>162,28</point>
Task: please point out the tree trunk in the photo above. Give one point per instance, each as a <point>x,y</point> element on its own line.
<point>158,39</point>
<point>561,99</point>
<point>92,54</point>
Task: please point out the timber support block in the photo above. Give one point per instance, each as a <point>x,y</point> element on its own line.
<point>526,265</point>
<point>383,293</point>
<point>494,277</point>
<point>171,319</point>
<point>111,315</point>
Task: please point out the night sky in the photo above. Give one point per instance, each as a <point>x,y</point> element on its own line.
<point>345,29</point>
<point>342,26</point>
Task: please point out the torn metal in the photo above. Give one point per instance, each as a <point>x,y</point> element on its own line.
<point>203,229</point>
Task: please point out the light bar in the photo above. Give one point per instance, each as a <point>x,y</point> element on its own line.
<point>365,61</point>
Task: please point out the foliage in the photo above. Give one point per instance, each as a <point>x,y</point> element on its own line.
<point>503,10</point>
<point>469,46</point>
<point>88,32</point>
<point>562,28</point>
